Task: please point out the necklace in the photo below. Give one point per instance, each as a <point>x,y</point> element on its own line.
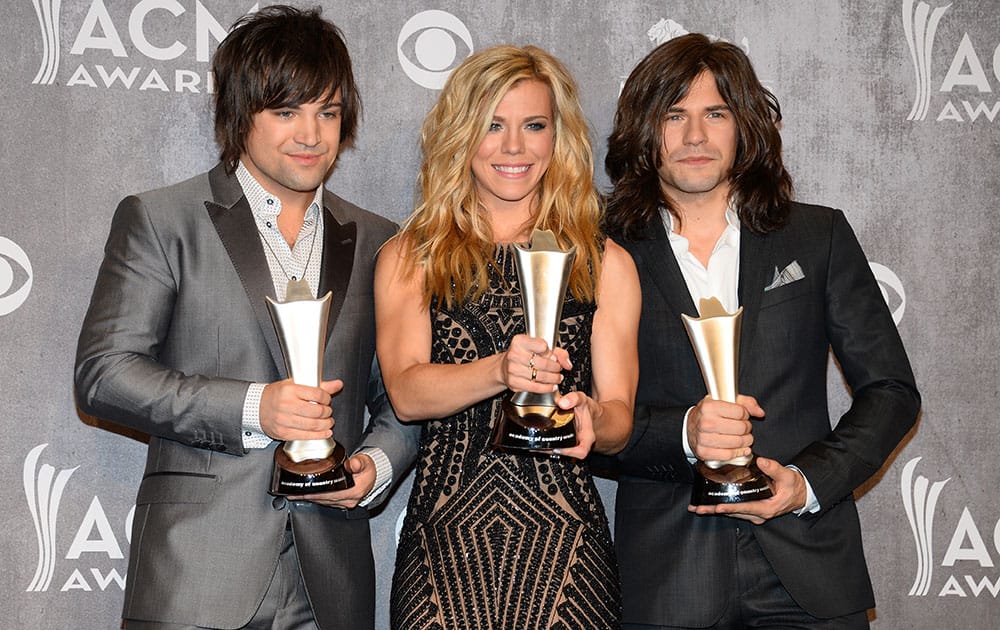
<point>277,259</point>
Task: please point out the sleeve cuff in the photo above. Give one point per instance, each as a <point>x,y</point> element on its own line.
<point>252,435</point>
<point>684,438</point>
<point>383,474</point>
<point>812,503</point>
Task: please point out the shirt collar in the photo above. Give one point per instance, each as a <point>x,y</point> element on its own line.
<point>732,220</point>
<point>729,237</point>
<point>265,205</point>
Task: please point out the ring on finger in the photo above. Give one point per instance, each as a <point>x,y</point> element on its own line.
<point>534,373</point>
<point>531,361</point>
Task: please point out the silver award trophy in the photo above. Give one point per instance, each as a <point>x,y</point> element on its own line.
<point>533,421</point>
<point>716,340</point>
<point>305,466</point>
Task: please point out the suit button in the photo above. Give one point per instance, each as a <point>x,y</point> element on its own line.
<point>279,503</point>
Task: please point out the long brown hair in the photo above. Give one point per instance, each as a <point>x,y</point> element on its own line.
<point>279,57</point>
<point>760,186</point>
<point>448,238</point>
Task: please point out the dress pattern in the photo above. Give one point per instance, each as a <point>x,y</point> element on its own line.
<point>497,540</point>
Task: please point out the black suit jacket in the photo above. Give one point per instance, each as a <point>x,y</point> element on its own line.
<point>176,331</point>
<point>676,566</point>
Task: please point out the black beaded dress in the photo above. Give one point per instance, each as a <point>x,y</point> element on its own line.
<point>499,540</point>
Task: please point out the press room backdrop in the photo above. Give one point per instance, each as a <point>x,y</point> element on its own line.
<point>891,113</point>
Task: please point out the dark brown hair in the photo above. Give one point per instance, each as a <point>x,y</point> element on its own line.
<point>760,186</point>
<point>279,57</point>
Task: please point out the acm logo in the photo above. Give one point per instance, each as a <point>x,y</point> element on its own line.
<point>966,73</point>
<point>158,32</point>
<point>966,545</point>
<point>44,487</point>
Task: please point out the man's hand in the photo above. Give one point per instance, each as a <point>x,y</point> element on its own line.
<point>789,495</point>
<point>584,409</point>
<point>362,468</point>
<point>721,431</point>
<point>298,412</point>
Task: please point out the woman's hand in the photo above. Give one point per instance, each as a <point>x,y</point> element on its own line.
<point>529,365</point>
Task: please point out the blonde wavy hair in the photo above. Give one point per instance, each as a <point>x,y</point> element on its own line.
<point>448,237</point>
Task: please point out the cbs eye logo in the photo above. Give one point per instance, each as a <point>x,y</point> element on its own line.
<point>437,41</point>
<point>15,276</point>
<point>892,290</point>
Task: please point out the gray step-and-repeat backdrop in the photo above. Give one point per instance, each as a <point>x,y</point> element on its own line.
<point>891,113</point>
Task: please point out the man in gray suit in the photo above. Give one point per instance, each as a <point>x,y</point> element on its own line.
<point>178,343</point>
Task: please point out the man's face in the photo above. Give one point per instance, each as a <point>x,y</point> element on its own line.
<point>698,145</point>
<point>291,150</point>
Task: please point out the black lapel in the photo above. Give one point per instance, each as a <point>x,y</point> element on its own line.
<point>339,241</point>
<point>658,256</point>
<point>755,263</point>
<point>230,213</point>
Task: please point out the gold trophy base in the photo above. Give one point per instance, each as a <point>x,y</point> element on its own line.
<point>312,476</point>
<point>729,484</point>
<point>533,428</point>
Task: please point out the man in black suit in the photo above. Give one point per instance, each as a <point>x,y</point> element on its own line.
<point>178,343</point>
<point>703,204</point>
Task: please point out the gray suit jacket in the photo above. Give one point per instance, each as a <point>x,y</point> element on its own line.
<point>177,329</point>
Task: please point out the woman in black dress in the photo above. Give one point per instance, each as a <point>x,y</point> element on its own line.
<point>494,539</point>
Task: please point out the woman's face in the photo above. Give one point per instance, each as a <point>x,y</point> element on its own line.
<point>512,158</point>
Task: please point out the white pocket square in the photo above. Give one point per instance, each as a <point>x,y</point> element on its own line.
<point>788,275</point>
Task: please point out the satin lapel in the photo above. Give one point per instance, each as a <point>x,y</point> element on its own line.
<point>663,267</point>
<point>755,261</point>
<point>230,213</point>
<point>339,241</point>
